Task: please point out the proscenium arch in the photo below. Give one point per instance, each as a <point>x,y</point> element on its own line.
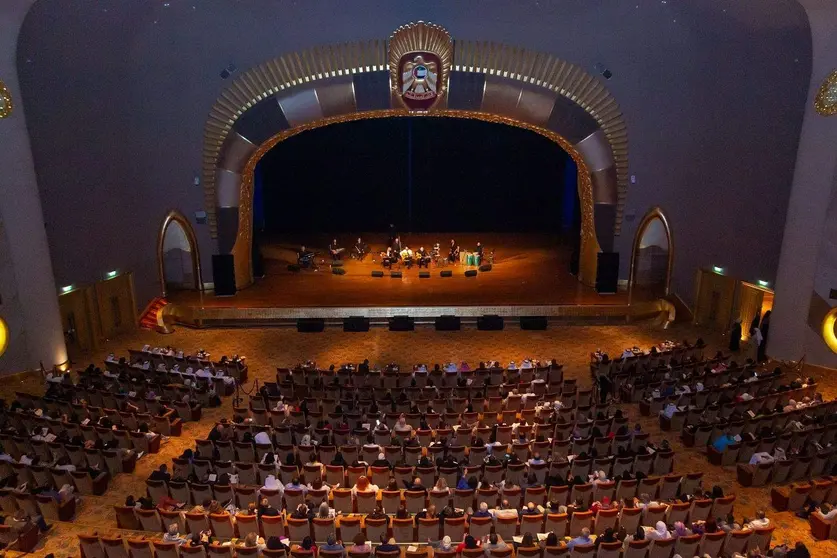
<point>652,214</point>
<point>306,89</point>
<point>174,216</point>
<point>243,244</point>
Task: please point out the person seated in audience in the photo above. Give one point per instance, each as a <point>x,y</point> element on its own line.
<point>468,542</point>
<point>536,459</point>
<point>359,545</point>
<point>723,441</point>
<point>531,509</point>
<point>172,535</point>
<point>604,504</point>
<point>332,544</point>
<point>496,542</point>
<point>441,487</point>
<point>266,509</point>
<point>824,511</point>
<point>296,484</point>
<point>482,511</point>
<point>387,544</point>
<point>659,533</point>
<point>728,524</point>
<point>324,511</point>
<point>160,474</point>
<point>582,539</point>
<point>415,485</point>
<point>306,546</point>
<point>363,485</point>
<point>428,513</point>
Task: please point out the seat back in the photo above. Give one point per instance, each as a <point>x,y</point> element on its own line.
<point>579,521</point>
<point>91,546</point>
<point>737,541</point>
<point>609,550</point>
<point>629,519</point>
<point>454,527</point>
<point>150,520</point>
<point>222,526</point>
<point>687,545</point>
<point>711,543</point>
<point>349,527</point>
<point>606,519</point>
<point>165,549</point>
<point>661,549</point>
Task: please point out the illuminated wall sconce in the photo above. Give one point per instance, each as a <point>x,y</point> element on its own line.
<point>111,274</point>
<point>66,289</point>
<point>763,283</point>
<point>717,269</point>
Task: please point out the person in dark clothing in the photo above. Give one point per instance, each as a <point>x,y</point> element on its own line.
<point>735,337</point>
<point>160,474</point>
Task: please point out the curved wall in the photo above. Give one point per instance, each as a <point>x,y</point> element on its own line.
<point>712,92</point>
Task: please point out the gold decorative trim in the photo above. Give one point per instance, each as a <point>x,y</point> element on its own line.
<point>177,217</point>
<point>304,67</point>
<point>826,99</point>
<point>653,213</point>
<point>420,38</point>
<point>6,105</point>
<point>828,333</point>
<point>242,250</point>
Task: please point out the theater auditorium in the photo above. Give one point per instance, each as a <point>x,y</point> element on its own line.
<point>507,279</point>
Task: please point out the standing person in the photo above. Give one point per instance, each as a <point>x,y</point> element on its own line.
<point>757,340</point>
<point>765,330</point>
<point>605,385</point>
<point>735,337</point>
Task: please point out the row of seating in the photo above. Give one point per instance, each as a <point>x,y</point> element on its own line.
<point>727,382</point>
<point>795,497</point>
<point>760,409</point>
<point>237,369</point>
<point>639,363</point>
<point>660,488</point>
<point>650,405</point>
<point>227,526</point>
<point>138,441</point>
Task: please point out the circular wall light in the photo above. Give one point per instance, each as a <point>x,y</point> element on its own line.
<point>828,333</point>
<point>4,336</point>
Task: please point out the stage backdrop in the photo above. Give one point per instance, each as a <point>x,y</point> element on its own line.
<point>117,95</point>
<point>421,174</point>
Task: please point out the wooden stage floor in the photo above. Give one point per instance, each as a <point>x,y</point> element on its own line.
<point>528,270</point>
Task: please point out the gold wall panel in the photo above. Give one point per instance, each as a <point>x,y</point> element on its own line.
<point>78,312</point>
<point>536,106</point>
<point>115,303</point>
<point>337,98</point>
<point>715,300</point>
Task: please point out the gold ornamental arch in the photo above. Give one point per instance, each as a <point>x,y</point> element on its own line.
<point>654,214</point>
<point>531,69</point>
<point>175,216</point>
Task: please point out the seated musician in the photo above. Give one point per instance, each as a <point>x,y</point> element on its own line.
<point>335,250</point>
<point>478,251</point>
<point>407,257</point>
<point>422,259</point>
<point>360,249</point>
<point>453,254</point>
<point>387,257</point>
<point>304,257</point>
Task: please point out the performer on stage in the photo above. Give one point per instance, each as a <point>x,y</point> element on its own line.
<point>407,257</point>
<point>305,258</point>
<point>453,254</point>
<point>335,250</point>
<point>387,258</point>
<point>360,249</point>
<point>422,259</point>
<point>478,251</point>
<point>396,246</point>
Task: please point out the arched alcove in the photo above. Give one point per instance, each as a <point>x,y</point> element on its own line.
<point>178,258</point>
<point>652,257</point>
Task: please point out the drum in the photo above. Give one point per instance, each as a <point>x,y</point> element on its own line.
<point>463,257</point>
<point>472,258</point>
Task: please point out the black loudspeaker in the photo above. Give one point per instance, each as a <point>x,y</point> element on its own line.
<point>446,273</point>
<point>448,323</point>
<point>490,323</point>
<point>310,325</point>
<point>424,275</point>
<point>401,323</point>
<point>607,273</point>
<point>294,268</point>
<point>485,267</point>
<point>337,263</point>
<point>471,273</point>
<point>338,271</point>
<point>356,323</point>
<point>223,274</point>
<point>533,323</point>
<point>395,274</point>
<point>377,273</point>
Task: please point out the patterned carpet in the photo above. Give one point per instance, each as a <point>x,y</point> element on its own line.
<point>268,348</point>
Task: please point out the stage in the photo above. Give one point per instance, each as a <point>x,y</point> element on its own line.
<point>529,277</point>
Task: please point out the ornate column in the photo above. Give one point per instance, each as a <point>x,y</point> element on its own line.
<point>29,298</point>
<point>801,283</point>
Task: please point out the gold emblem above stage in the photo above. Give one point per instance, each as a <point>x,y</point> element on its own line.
<point>420,57</point>
<point>826,100</point>
<point>5,101</point>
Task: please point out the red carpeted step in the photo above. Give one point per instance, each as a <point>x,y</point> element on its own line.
<point>149,317</point>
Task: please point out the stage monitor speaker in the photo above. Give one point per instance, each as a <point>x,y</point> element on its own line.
<point>490,323</point>
<point>424,275</point>
<point>338,271</point>
<point>223,274</point>
<point>310,325</point>
<point>607,273</point>
<point>395,274</point>
<point>294,268</point>
<point>533,323</point>
<point>377,273</point>
<point>446,273</point>
<point>485,267</point>
<point>337,263</point>
<point>356,324</point>
<point>448,323</point>
<point>402,323</point>
<point>471,273</point>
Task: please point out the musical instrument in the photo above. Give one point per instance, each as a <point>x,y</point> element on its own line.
<point>306,259</point>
